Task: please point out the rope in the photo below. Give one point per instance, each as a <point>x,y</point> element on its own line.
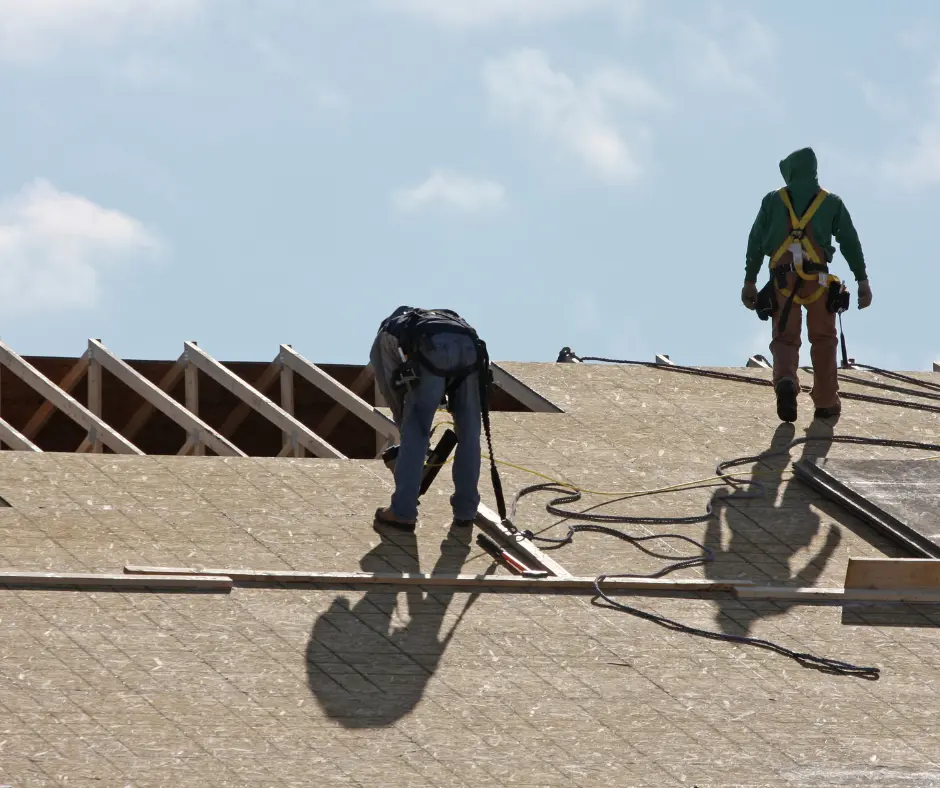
<point>593,522</point>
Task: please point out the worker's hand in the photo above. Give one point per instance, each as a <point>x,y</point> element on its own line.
<point>749,295</point>
<point>864,294</point>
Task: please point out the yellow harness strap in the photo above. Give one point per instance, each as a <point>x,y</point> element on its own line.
<point>797,236</point>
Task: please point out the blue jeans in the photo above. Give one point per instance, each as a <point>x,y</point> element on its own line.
<point>446,352</point>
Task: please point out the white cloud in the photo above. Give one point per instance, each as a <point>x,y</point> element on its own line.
<point>30,29</point>
<point>526,91</point>
<point>730,55</point>
<point>481,13</point>
<point>917,165</point>
<point>453,190</point>
<point>53,245</point>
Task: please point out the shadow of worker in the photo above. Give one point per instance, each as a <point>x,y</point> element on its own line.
<point>368,665</point>
<point>768,531</point>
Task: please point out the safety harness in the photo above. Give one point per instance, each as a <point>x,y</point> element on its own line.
<point>807,261</point>
<point>423,323</point>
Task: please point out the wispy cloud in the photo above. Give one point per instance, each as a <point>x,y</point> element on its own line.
<point>53,246</point>
<point>727,52</point>
<point>483,13</point>
<point>525,91</point>
<point>451,190</point>
<point>33,29</point>
<point>916,163</point>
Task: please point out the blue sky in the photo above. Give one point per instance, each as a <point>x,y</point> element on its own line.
<point>562,172</point>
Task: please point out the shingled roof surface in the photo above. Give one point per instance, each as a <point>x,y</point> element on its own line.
<point>295,686</point>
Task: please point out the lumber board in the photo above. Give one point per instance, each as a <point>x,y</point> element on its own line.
<point>809,595</point>
<point>143,413</point>
<point>44,412</point>
<point>489,521</point>
<point>101,356</point>
<point>893,573</point>
<point>494,582</point>
<point>260,403</point>
<point>351,401</point>
<point>520,392</point>
<point>164,580</point>
<point>15,439</point>
<point>96,427</point>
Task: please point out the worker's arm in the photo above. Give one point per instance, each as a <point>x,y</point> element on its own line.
<point>754,259</point>
<point>845,234</point>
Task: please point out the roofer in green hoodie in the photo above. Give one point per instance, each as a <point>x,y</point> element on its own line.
<point>795,227</point>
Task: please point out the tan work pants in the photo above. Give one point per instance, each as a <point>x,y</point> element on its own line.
<point>823,338</point>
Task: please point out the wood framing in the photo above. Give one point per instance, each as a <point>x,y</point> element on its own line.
<point>95,403</point>
<point>839,595</point>
<point>193,444</point>
<point>893,573</point>
<point>167,382</point>
<point>479,582</point>
<point>519,391</point>
<point>664,360</point>
<point>96,427</point>
<point>197,430</point>
<point>290,446</point>
<point>241,411</point>
<point>310,372</point>
<point>489,521</point>
<point>15,439</point>
<point>260,403</point>
<point>334,415</point>
<point>758,361</point>
<point>936,366</point>
<point>166,581</point>
<point>69,381</point>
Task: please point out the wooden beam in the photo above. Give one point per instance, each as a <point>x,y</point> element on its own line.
<point>893,573</point>
<point>95,403</point>
<point>936,366</point>
<point>242,410</point>
<point>335,414</point>
<point>15,439</point>
<point>97,428</point>
<point>489,521</point>
<point>144,412</point>
<point>114,581</point>
<point>191,375</point>
<point>290,445</point>
<point>67,384</point>
<point>838,595</point>
<point>196,428</point>
<point>520,392</point>
<point>664,359</point>
<point>478,582</point>
<point>330,386</point>
<point>758,361</point>
<point>256,400</point>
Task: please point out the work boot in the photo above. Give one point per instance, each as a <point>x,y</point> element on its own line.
<point>786,400</point>
<point>387,517</point>
<point>828,413</point>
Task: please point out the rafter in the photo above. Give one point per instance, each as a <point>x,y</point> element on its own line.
<point>259,402</point>
<point>44,412</point>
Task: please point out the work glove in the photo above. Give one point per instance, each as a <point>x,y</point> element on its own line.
<point>864,294</point>
<point>749,295</point>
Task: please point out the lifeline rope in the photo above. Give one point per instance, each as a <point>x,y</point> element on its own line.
<point>600,523</point>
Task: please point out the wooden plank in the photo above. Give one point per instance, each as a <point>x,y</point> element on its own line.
<point>67,384</point>
<point>809,595</point>
<point>664,359</point>
<point>95,403</point>
<point>197,429</point>
<point>893,573</point>
<point>489,521</point>
<point>116,581</point>
<point>494,582</point>
<point>290,444</point>
<point>97,429</point>
<point>520,392</point>
<point>242,410</point>
<point>14,439</point>
<point>333,388</point>
<point>256,400</point>
<point>759,362</point>
<point>166,384</point>
<point>335,414</point>
<point>191,396</point>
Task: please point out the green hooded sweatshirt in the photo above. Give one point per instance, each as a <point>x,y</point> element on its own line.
<point>831,219</point>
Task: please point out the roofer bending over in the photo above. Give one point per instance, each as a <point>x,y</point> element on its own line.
<point>795,227</point>
<point>419,357</point>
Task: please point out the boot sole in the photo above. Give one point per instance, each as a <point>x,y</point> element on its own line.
<point>786,403</point>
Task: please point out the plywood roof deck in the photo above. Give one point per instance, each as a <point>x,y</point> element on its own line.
<point>357,688</point>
